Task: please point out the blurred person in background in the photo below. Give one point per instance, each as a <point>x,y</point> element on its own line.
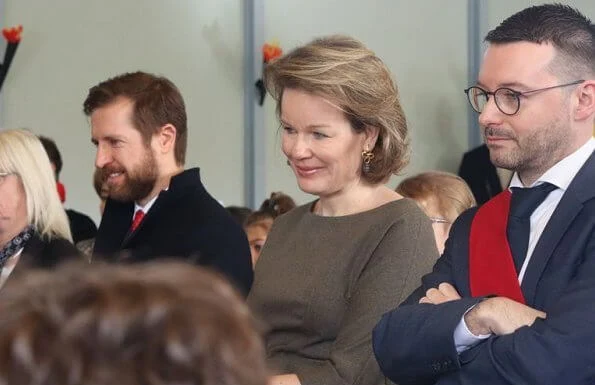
<point>258,224</point>
<point>442,196</point>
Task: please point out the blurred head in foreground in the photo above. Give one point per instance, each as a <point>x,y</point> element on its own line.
<point>158,323</point>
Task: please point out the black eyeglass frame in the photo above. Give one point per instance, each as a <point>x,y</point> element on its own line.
<point>517,95</point>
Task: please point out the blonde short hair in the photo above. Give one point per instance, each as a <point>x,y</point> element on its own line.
<point>155,323</point>
<point>21,153</point>
<point>345,72</point>
<point>448,192</point>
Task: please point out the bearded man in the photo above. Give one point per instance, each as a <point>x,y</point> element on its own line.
<point>156,209</point>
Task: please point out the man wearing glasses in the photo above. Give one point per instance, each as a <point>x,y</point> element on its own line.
<point>511,299</point>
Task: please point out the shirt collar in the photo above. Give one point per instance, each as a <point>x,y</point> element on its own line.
<point>145,209</point>
<point>562,173</point>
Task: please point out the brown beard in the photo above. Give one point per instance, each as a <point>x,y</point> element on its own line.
<point>139,181</point>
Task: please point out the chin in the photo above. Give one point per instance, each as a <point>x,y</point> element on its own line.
<point>310,189</point>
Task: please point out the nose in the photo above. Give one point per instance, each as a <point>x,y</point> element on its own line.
<point>103,156</point>
<point>296,147</point>
<point>491,114</point>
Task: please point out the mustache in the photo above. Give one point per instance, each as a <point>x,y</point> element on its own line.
<point>498,132</point>
<point>106,171</point>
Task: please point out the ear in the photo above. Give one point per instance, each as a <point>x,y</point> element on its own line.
<point>586,101</point>
<point>370,137</point>
<point>165,138</point>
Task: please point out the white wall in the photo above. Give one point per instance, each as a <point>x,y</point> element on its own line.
<point>424,43</point>
<point>71,45</point>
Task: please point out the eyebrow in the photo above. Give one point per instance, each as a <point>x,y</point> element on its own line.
<point>512,85</point>
<point>108,137</point>
<point>310,126</point>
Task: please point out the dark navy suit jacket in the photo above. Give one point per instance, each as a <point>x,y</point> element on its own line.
<point>185,222</point>
<point>414,343</point>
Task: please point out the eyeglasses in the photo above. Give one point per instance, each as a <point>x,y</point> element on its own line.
<point>438,220</point>
<point>507,100</point>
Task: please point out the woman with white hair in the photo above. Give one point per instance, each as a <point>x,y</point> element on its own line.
<point>34,229</point>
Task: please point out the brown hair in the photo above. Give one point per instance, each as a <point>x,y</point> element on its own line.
<point>350,76</point>
<point>53,153</point>
<point>277,204</point>
<point>159,323</point>
<point>157,102</point>
<point>448,192</point>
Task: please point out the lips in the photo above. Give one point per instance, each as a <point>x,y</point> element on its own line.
<point>493,134</point>
<point>496,138</point>
<point>306,171</point>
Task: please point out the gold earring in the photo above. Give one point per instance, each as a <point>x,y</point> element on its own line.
<point>367,157</point>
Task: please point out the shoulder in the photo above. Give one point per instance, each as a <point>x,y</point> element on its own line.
<point>466,217</point>
<point>296,219</point>
<point>404,223</point>
<point>296,214</point>
<point>404,212</point>
<point>47,253</point>
<point>186,193</point>
<point>75,216</point>
<point>61,247</point>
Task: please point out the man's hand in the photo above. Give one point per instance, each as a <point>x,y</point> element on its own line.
<point>284,379</point>
<point>444,293</point>
<point>500,316</point>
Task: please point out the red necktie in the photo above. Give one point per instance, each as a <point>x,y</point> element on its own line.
<point>138,217</point>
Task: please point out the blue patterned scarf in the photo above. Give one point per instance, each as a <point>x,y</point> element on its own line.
<point>15,244</point>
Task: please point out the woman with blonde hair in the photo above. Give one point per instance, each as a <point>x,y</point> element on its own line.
<point>331,268</point>
<point>34,229</point>
<point>442,196</point>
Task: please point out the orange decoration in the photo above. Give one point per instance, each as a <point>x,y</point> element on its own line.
<point>13,35</point>
<point>270,52</point>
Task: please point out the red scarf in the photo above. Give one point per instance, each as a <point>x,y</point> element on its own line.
<point>491,267</point>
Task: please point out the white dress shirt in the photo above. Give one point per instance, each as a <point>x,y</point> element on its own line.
<point>560,175</point>
<point>145,209</point>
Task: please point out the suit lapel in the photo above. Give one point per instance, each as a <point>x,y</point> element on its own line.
<point>579,191</point>
<point>150,216</point>
<point>179,186</point>
<point>567,210</point>
<point>113,227</point>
